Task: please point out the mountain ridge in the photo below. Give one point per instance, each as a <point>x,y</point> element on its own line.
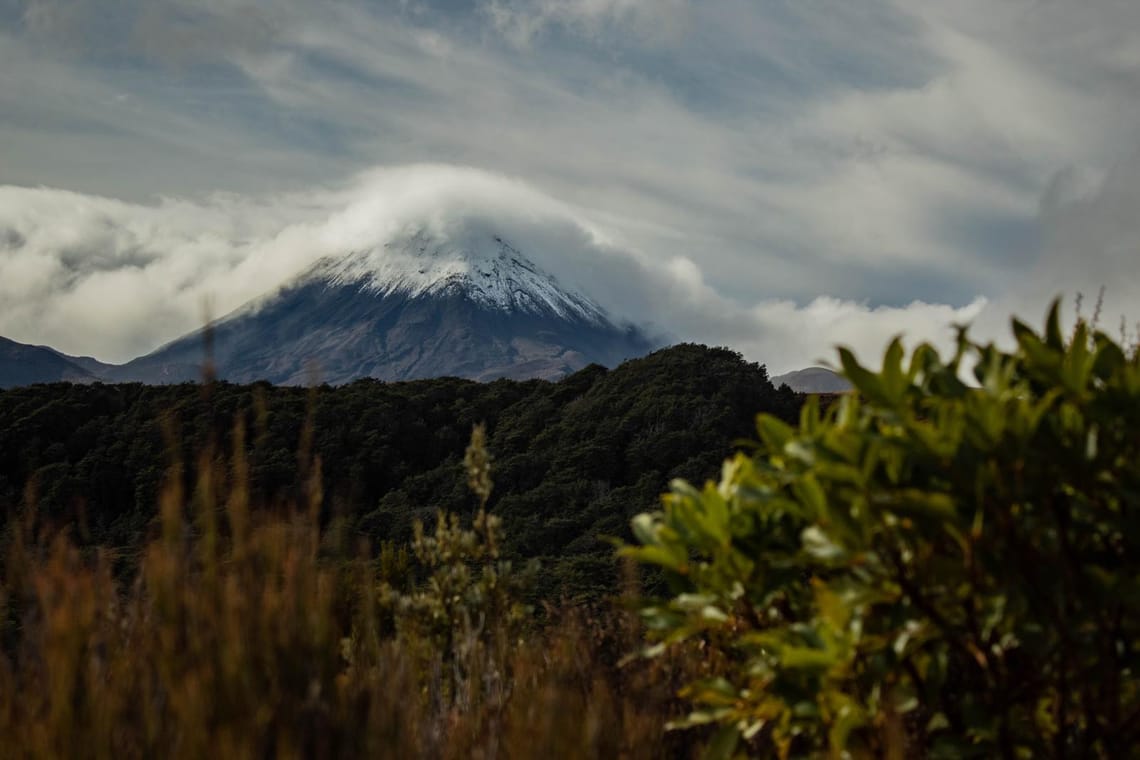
<point>26,364</point>
<point>813,380</point>
<point>420,305</point>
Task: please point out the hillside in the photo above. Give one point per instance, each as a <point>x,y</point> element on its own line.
<point>813,380</point>
<point>21,364</point>
<point>574,459</point>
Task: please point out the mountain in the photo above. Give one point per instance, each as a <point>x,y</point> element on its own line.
<point>21,364</point>
<point>88,364</point>
<point>419,306</point>
<point>813,380</point>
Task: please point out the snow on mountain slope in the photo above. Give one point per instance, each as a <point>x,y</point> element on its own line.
<point>419,306</point>
<point>486,268</point>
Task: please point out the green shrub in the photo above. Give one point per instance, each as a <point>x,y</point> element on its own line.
<point>930,568</point>
<point>466,616</point>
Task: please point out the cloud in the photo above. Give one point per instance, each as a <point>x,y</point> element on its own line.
<point>1090,240</point>
<point>883,155</point>
<point>92,275</point>
<point>168,32</point>
<point>729,140</point>
<point>651,21</point>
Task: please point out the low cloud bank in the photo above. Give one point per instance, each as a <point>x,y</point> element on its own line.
<point>92,275</point>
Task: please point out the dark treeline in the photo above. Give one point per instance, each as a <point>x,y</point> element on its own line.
<point>573,460</point>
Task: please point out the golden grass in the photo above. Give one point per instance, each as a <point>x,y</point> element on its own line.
<point>247,633</point>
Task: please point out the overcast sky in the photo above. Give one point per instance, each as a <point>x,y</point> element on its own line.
<point>775,175</point>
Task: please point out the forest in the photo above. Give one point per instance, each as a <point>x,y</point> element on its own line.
<point>574,460</point>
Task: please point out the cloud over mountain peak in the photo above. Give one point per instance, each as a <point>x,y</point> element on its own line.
<point>92,275</point>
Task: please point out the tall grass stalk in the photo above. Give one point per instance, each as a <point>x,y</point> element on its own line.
<point>248,632</point>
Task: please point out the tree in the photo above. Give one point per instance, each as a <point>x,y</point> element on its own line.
<point>928,568</point>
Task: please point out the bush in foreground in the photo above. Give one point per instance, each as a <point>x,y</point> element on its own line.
<point>929,569</point>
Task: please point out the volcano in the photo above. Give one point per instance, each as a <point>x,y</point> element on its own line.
<point>419,306</point>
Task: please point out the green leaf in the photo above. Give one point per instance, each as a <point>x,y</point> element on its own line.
<point>893,379</point>
<point>692,602</point>
<point>644,528</point>
<point>820,546</point>
<point>1054,338</point>
<point>697,718</point>
<point>809,493</point>
<point>864,381</point>
<point>913,502</point>
<point>714,515</point>
<point>807,658</point>
<point>773,432</point>
<point>656,555</point>
<point>723,744</point>
<point>848,717</point>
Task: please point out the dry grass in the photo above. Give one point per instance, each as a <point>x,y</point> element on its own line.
<point>247,633</point>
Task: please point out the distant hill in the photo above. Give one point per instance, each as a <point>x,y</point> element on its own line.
<point>22,364</point>
<point>813,380</point>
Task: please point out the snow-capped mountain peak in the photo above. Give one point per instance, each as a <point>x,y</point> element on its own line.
<point>480,265</point>
<point>423,305</point>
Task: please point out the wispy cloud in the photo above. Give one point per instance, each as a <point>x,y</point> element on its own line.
<point>640,21</point>
<point>859,159</point>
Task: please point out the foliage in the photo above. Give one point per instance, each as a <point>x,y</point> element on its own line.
<point>574,459</point>
<point>930,568</point>
<point>249,632</point>
<point>468,611</point>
